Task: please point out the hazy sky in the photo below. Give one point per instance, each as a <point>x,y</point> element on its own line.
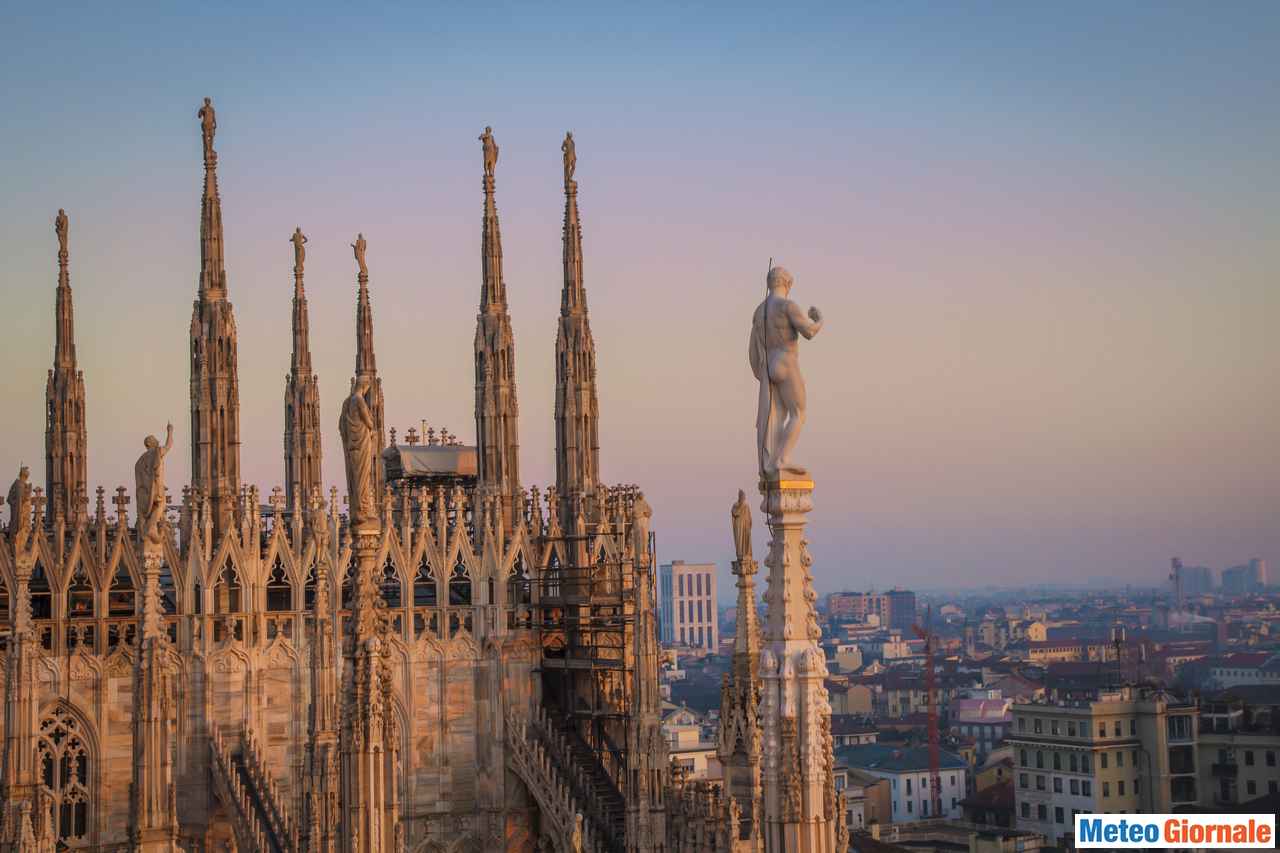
<point>1044,237</point>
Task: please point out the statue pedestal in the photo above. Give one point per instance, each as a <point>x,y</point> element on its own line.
<point>801,813</point>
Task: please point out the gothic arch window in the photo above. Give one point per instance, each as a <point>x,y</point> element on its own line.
<point>518,584</point>
<point>309,590</point>
<point>64,759</point>
<point>41,594</point>
<point>197,598</point>
<point>226,591</point>
<point>424,585</point>
<point>80,595</point>
<point>168,590</point>
<point>348,585</point>
<point>121,595</point>
<point>459,585</point>
<point>279,589</point>
<point>551,581</point>
<point>389,583</point>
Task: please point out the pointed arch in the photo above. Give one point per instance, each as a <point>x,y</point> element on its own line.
<point>40,588</point>
<point>79,596</point>
<point>426,590</point>
<point>390,583</point>
<point>461,587</point>
<point>67,767</point>
<point>279,587</point>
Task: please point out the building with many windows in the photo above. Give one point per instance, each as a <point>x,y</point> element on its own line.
<point>1116,750</point>
<point>907,769</point>
<point>1239,747</point>
<point>687,605</point>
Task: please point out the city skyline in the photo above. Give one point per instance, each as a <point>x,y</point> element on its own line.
<point>1048,344</point>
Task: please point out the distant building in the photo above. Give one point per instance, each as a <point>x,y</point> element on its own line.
<point>857,606</point>
<point>1239,747</point>
<point>1124,749</point>
<point>866,798</point>
<point>902,610</point>
<point>987,721</point>
<point>1250,577</point>
<point>907,769</point>
<point>687,605</point>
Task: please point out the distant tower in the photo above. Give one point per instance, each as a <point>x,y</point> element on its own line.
<point>1175,578</point>
<point>215,386</point>
<point>366,364</point>
<point>65,438</point>
<point>301,398</point>
<point>497,413</point>
<point>577,406</point>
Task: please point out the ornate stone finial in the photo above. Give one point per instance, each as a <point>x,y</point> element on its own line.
<point>570,157</point>
<point>411,437</point>
<point>740,514</point>
<point>431,436</point>
<point>299,241</point>
<point>490,151</point>
<point>360,245</point>
<point>393,436</point>
<point>121,500</point>
<point>209,126</point>
<point>149,476</point>
<point>776,328</point>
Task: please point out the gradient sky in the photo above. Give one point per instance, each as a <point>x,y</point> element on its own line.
<point>1044,237</point>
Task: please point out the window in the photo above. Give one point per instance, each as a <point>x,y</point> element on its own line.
<point>1057,760</point>
<point>64,773</point>
<point>910,806</point>
<point>698,583</point>
<point>1106,789</point>
<point>953,779</point>
<point>279,590</point>
<point>1084,764</point>
<point>1038,725</point>
<point>1248,757</point>
<point>1074,763</point>
<point>1133,728</point>
<point>1053,727</point>
<point>1102,758</point>
<point>1057,784</point>
<point>1120,788</point>
<point>1252,787</point>
<point>1026,810</point>
<point>908,787</point>
<point>1058,815</point>
<point>1042,812</point>
<point>1102,729</point>
<point>1134,756</point>
<point>1023,780</point>
<point>1119,759</point>
<point>1116,729</point>
<point>1271,758</point>
<point>1022,724</point>
<point>1023,757</point>
<point>1271,786</point>
<point>518,585</point>
<point>1071,728</point>
<point>1039,759</point>
<point>389,585</point>
<point>1039,782</point>
<point>680,584</point>
<point>1086,788</point>
<point>1075,787</point>
<point>460,585</point>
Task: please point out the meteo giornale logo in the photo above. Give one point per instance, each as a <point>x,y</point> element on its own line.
<point>1116,832</point>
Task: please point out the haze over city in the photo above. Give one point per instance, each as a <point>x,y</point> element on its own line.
<point>1044,244</point>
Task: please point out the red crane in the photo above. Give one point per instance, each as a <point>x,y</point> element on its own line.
<point>930,685</point>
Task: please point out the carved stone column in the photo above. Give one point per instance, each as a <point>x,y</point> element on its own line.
<point>800,811</point>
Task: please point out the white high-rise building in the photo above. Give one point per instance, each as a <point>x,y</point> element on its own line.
<point>687,605</point>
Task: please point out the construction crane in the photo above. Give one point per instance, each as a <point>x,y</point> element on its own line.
<point>931,687</point>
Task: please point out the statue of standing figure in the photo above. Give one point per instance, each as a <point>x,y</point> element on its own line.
<point>776,328</point>
<point>490,151</point>
<point>360,245</point>
<point>740,514</point>
<point>642,514</point>
<point>208,124</point>
<point>148,474</point>
<point>20,507</point>
<point>360,450</point>
<point>299,241</point>
<point>570,157</point>
<point>61,227</point>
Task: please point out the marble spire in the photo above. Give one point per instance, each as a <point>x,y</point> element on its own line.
<point>497,412</point>
<point>366,363</point>
<point>215,384</point>
<point>577,410</point>
<point>66,437</point>
<point>301,396</point>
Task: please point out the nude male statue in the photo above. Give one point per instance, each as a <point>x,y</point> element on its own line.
<point>149,476</point>
<point>208,123</point>
<point>776,328</point>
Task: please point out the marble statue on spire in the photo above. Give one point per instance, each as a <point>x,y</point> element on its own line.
<point>149,475</point>
<point>740,513</point>
<point>61,228</point>
<point>570,156</point>
<point>490,151</point>
<point>776,328</point>
<point>360,449</point>
<point>208,124</point>
<point>20,506</point>
<point>299,241</point>
<point>359,246</point>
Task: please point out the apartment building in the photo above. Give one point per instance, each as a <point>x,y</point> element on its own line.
<point>1115,750</point>
<point>1239,747</point>
<point>907,770</point>
<point>687,605</point>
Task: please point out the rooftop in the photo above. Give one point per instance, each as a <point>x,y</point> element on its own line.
<point>890,759</point>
